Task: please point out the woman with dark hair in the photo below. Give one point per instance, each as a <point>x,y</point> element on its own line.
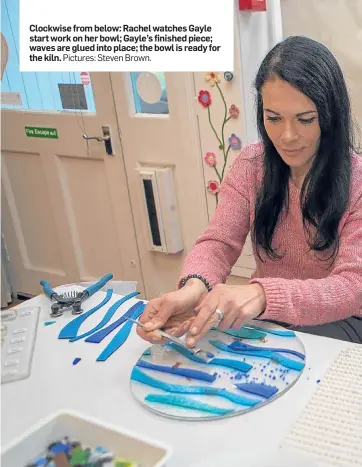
<point>299,194</point>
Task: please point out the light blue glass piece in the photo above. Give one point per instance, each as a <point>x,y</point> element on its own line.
<point>276,332</point>
<point>237,345</point>
<point>187,403</point>
<point>287,362</point>
<point>140,376</point>
<point>244,333</point>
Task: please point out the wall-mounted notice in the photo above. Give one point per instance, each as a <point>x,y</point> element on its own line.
<point>40,132</point>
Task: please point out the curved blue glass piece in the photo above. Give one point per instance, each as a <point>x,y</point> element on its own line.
<point>187,403</point>
<point>287,362</point>
<point>276,357</point>
<point>70,329</point>
<point>186,372</point>
<point>107,316</point>
<point>228,363</point>
<point>185,352</point>
<point>98,336</point>
<point>122,335</point>
<point>244,333</point>
<point>276,332</point>
<point>237,345</point>
<point>140,376</point>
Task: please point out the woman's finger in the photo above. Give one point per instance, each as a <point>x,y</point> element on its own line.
<point>150,314</point>
<point>229,319</point>
<point>154,336</point>
<point>244,313</point>
<point>181,330</point>
<point>243,319</point>
<point>150,311</point>
<point>156,314</point>
<point>238,323</point>
<point>204,312</point>
<point>211,321</point>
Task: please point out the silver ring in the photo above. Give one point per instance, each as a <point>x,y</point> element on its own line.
<point>221,316</point>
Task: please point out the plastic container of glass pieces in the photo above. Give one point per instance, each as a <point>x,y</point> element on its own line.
<point>121,442</point>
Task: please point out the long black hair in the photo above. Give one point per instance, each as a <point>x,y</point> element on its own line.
<point>312,69</point>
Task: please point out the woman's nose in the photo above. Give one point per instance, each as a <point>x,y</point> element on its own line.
<point>289,135</point>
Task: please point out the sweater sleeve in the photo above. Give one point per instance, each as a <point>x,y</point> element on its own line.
<point>218,248</point>
<point>318,301</point>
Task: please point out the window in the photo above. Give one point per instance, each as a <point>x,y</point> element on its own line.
<point>149,92</point>
<point>66,92</point>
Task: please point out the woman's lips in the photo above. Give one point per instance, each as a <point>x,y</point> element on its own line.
<point>292,151</point>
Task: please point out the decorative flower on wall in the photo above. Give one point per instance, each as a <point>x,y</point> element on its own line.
<point>233,142</point>
<point>210,159</point>
<point>234,111</point>
<point>212,77</point>
<point>204,98</point>
<point>213,187</point>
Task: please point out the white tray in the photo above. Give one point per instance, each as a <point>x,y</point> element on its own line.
<point>123,443</point>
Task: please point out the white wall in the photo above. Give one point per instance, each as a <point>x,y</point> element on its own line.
<point>338,25</point>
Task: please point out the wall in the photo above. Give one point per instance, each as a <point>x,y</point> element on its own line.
<point>255,34</point>
<point>232,92</point>
<point>338,25</point>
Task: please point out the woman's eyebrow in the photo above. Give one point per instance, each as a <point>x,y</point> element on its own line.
<point>298,115</point>
<point>272,111</point>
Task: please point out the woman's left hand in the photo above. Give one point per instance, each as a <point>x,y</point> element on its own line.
<point>238,304</point>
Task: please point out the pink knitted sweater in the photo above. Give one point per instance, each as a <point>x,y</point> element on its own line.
<point>299,288</point>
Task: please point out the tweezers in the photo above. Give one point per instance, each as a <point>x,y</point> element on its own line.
<point>207,356</point>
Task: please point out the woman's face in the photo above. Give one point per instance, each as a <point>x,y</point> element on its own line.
<point>291,122</point>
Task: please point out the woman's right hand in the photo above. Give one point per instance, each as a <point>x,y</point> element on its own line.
<point>174,312</point>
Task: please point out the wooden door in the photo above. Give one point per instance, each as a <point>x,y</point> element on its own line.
<point>66,211</point>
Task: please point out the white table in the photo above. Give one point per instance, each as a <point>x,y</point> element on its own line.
<point>102,390</point>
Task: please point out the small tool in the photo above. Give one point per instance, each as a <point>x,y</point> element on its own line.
<point>72,299</point>
<point>207,356</point>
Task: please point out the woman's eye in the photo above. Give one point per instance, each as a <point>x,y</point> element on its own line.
<point>273,119</point>
<point>307,121</point>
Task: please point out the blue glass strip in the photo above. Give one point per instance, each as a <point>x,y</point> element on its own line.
<point>107,316</point>
<point>70,330</point>
<point>122,335</point>
<point>97,337</point>
<point>228,363</point>
<point>186,372</point>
